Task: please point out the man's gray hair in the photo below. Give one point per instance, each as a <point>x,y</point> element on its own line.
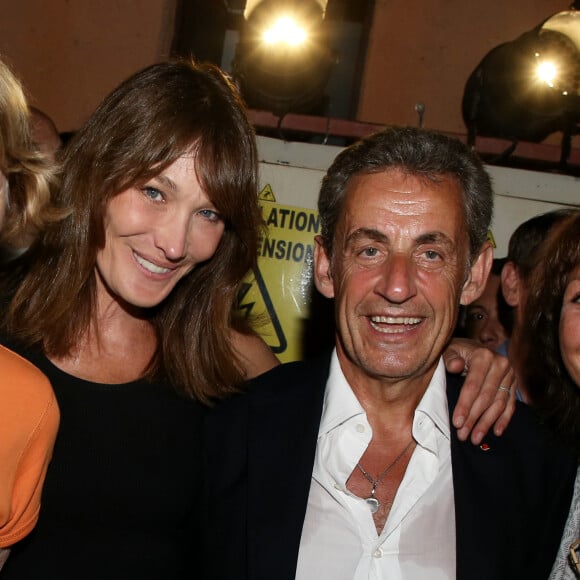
<point>418,152</point>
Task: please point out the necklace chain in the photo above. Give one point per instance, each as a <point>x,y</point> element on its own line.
<point>376,482</point>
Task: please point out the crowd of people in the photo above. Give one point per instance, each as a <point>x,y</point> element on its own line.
<point>148,432</point>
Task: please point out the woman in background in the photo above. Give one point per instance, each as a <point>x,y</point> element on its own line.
<point>28,409</point>
<point>552,362</point>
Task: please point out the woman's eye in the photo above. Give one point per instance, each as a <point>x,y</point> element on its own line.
<point>153,194</point>
<point>572,292</point>
<point>210,214</point>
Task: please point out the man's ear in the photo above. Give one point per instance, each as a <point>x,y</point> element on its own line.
<point>478,274</point>
<point>322,269</point>
<point>510,284</point>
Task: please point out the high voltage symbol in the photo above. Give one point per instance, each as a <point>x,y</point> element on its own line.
<point>248,301</point>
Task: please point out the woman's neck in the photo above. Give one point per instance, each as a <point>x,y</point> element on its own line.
<point>117,347</point>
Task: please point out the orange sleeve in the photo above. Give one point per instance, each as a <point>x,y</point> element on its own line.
<point>29,420</point>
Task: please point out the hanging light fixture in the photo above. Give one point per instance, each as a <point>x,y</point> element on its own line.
<point>282,60</point>
<point>529,88</point>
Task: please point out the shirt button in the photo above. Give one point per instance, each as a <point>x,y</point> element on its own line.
<point>338,486</point>
<point>360,428</point>
<point>378,553</point>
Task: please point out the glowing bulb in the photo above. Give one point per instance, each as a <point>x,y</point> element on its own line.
<point>547,72</point>
<point>285,30</point>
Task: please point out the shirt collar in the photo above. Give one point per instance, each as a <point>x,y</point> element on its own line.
<point>434,402</point>
<point>341,404</point>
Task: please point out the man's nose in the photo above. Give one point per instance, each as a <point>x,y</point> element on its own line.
<point>397,280</point>
<point>490,333</point>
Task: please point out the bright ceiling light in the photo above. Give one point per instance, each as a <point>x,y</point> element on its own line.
<point>283,58</point>
<point>529,88</point>
<point>547,71</point>
<point>285,30</point>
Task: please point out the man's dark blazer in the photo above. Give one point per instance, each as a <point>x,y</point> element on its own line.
<point>511,501</point>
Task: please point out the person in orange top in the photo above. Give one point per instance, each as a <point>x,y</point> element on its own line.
<point>28,425</point>
<point>29,414</point>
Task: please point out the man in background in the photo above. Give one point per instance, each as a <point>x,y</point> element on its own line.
<point>486,319</point>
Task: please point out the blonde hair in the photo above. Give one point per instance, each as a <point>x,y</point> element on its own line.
<point>29,173</point>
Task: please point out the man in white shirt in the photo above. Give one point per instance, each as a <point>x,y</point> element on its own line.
<point>350,468</point>
<point>405,252</point>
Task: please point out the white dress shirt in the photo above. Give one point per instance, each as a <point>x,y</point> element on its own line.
<point>339,537</point>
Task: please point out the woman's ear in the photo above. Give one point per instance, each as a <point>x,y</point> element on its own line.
<point>322,269</point>
<point>478,274</point>
<point>510,284</point>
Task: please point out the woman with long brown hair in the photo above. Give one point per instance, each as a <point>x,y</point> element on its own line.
<point>552,359</point>
<point>126,306</point>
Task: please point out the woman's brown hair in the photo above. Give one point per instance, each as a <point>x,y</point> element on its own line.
<point>551,389</point>
<point>142,127</point>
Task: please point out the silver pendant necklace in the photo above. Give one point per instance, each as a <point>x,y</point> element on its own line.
<point>373,503</point>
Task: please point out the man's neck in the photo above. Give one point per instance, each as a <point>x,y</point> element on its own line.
<point>389,403</point>
<point>390,406</point>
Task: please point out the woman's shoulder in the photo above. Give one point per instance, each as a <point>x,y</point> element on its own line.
<point>575,507</point>
<point>29,407</point>
<point>254,354</point>
<point>13,363</point>
<point>22,380</point>
<point>562,569</point>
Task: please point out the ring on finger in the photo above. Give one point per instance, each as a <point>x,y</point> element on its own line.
<point>503,388</point>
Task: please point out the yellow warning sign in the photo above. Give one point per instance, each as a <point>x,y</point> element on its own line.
<point>277,296</point>
<point>267,194</point>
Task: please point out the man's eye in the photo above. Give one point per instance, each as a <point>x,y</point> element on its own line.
<point>432,255</point>
<point>370,252</point>
<point>476,316</point>
<point>153,194</point>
